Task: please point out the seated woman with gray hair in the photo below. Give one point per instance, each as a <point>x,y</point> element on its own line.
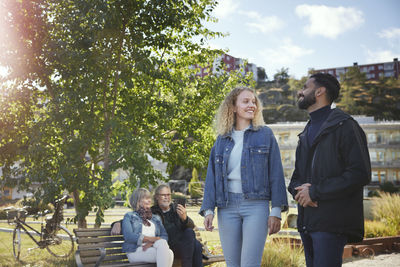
<point>144,234</point>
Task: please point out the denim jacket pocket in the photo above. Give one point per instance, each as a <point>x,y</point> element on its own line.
<point>259,162</point>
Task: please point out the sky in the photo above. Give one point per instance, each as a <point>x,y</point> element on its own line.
<point>300,35</point>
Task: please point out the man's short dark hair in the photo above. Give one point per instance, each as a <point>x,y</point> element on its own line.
<point>329,82</point>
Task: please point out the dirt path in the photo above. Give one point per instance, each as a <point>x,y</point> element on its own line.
<point>383,260</point>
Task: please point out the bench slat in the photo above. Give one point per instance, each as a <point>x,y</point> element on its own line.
<point>99,232</point>
<point>114,257</point>
<point>85,240</point>
<point>100,245</point>
<point>96,252</point>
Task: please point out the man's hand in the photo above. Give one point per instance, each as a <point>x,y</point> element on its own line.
<point>116,229</point>
<point>208,222</point>
<point>303,196</point>
<point>274,225</point>
<point>181,210</point>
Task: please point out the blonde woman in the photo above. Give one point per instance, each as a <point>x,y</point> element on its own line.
<point>144,234</point>
<point>244,175</point>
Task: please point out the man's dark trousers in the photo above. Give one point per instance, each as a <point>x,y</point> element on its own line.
<point>323,249</point>
<point>188,249</point>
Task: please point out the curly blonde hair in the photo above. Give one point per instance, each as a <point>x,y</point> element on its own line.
<point>225,118</point>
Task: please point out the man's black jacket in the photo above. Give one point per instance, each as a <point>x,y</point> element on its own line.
<point>172,223</point>
<point>337,165</point>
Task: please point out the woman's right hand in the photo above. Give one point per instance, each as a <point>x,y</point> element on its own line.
<point>151,239</point>
<point>208,222</point>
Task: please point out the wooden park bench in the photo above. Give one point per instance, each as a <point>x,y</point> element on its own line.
<point>97,247</point>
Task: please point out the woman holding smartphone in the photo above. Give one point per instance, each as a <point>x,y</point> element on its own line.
<point>244,175</point>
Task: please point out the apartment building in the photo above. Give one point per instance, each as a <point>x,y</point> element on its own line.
<point>372,71</point>
<point>228,63</point>
<point>383,143</point>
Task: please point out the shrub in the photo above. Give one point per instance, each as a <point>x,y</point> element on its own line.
<point>388,187</point>
<point>280,254</point>
<point>386,209</point>
<point>377,229</point>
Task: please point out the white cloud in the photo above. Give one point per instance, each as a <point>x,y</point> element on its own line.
<point>392,35</point>
<point>380,56</point>
<point>285,55</point>
<point>225,8</point>
<point>330,21</point>
<point>263,24</point>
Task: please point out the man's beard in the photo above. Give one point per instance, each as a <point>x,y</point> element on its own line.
<point>307,101</point>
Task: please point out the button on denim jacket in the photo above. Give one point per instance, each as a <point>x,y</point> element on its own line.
<point>132,230</point>
<point>261,170</point>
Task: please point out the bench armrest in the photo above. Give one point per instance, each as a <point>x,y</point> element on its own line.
<point>79,260</point>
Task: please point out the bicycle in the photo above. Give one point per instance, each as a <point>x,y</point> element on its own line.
<point>54,237</point>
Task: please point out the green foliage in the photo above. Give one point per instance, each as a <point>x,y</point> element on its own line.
<point>282,75</point>
<point>195,186</point>
<point>388,187</point>
<point>33,206</point>
<point>379,99</point>
<point>378,229</point>
<point>386,209</point>
<point>103,85</point>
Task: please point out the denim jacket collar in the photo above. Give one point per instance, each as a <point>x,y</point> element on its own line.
<point>229,134</point>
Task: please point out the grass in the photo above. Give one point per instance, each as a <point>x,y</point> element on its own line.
<point>280,254</point>
<point>378,229</point>
<point>38,258</point>
<point>385,208</point>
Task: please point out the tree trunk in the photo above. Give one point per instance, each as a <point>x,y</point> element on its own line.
<point>81,221</point>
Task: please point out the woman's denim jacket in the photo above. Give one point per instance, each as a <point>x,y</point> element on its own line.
<point>261,170</point>
<point>132,230</point>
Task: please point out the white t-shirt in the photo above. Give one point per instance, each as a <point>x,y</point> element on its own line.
<point>149,230</point>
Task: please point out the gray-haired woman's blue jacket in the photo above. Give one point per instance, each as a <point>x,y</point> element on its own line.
<point>132,230</point>
<point>261,170</point>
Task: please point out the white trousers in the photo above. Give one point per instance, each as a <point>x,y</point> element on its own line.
<point>159,253</point>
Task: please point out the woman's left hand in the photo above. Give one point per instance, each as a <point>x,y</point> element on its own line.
<point>181,210</point>
<point>274,225</point>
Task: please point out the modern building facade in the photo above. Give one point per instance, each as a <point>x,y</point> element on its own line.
<point>372,71</point>
<point>383,143</point>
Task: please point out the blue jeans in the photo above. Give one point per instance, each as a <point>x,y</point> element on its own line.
<point>323,249</point>
<point>189,249</point>
<point>243,228</point>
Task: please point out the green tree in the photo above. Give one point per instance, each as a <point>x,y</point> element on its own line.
<point>99,85</point>
<point>352,92</point>
<point>281,76</point>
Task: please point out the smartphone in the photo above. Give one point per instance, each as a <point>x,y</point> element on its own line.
<point>181,201</point>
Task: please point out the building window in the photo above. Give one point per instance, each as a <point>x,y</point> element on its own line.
<point>374,176</point>
<point>283,138</point>
<point>382,176</point>
<point>380,67</point>
<point>388,66</point>
<point>340,71</point>
<point>389,73</point>
<point>373,156</point>
<point>371,138</point>
<point>380,156</point>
